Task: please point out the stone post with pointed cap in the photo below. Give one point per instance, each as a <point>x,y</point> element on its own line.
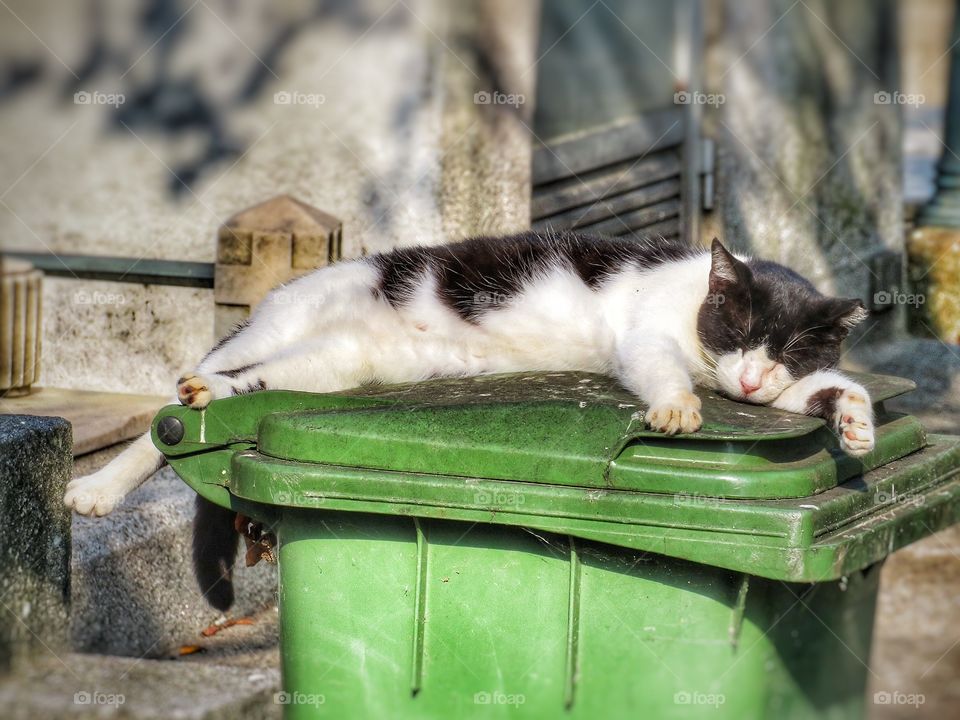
<point>264,246</point>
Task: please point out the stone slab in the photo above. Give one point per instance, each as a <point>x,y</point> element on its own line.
<point>99,419</point>
<point>96,686</point>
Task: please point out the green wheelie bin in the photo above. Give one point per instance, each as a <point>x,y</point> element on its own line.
<point>521,546</point>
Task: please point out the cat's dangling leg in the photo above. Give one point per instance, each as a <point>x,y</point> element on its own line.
<point>653,368</point>
<point>100,492</point>
<point>837,399</point>
<point>215,537</point>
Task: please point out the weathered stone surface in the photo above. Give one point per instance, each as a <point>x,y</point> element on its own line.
<point>78,686</point>
<point>808,161</point>
<point>35,460</point>
<point>98,419</point>
<point>387,138</point>
<point>134,592</point>
<point>235,674</point>
<point>488,47</point>
<point>122,337</point>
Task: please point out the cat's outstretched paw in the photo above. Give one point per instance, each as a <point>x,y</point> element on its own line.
<point>680,414</point>
<point>854,423</point>
<point>194,391</point>
<point>93,495</point>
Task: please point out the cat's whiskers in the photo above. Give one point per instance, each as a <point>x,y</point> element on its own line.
<point>705,367</point>
<point>801,336</point>
<point>801,347</point>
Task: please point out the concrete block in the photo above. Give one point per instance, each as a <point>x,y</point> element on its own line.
<point>35,460</point>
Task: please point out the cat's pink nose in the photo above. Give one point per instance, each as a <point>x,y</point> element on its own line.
<point>748,387</point>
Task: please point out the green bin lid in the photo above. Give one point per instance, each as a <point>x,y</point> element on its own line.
<point>755,490</point>
<point>583,430</point>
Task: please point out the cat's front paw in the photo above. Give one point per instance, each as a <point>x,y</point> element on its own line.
<point>93,495</point>
<point>854,423</point>
<point>679,414</point>
<point>194,391</point>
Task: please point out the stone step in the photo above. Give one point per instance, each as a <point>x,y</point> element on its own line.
<point>133,590</point>
<point>98,419</point>
<point>236,674</point>
<point>75,685</point>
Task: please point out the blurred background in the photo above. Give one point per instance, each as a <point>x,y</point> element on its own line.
<point>165,162</point>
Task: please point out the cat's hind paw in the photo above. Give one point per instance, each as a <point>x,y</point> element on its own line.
<point>194,391</point>
<point>854,423</point>
<point>681,414</point>
<point>93,495</point>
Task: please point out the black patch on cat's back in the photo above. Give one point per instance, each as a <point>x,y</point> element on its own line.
<point>399,270</point>
<point>482,274</point>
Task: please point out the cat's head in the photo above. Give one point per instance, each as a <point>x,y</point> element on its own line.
<point>765,327</point>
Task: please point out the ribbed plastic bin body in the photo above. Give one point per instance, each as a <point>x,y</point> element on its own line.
<point>521,547</point>
<point>381,619</point>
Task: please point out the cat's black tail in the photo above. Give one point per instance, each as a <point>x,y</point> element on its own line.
<point>214,552</point>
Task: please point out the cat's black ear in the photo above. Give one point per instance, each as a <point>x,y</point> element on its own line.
<point>846,313</point>
<point>725,269</point>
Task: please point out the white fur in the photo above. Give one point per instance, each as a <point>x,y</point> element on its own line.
<point>330,331</point>
<point>738,372</point>
<point>101,492</point>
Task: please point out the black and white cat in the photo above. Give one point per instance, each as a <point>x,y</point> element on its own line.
<point>656,314</point>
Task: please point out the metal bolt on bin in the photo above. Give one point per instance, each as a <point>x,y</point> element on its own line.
<point>522,546</point>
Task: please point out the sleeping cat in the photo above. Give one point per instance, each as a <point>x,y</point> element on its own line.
<point>656,314</point>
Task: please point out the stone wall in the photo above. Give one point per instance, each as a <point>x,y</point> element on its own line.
<point>363,109</point>
<point>809,157</point>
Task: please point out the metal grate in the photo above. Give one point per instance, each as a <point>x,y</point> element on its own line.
<point>623,180</point>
